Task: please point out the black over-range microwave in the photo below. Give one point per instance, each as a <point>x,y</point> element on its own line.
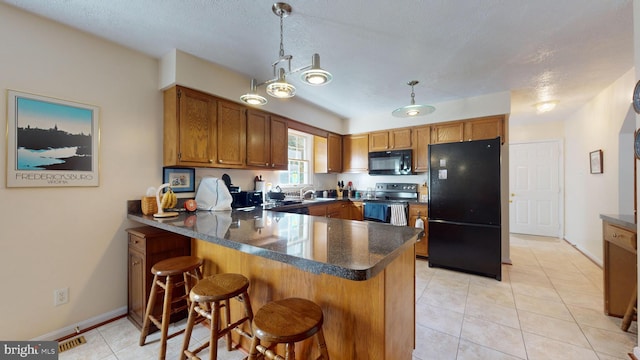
<point>393,162</point>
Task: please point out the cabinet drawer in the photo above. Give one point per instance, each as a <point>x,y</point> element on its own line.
<point>622,237</point>
<point>415,209</point>
<point>138,243</point>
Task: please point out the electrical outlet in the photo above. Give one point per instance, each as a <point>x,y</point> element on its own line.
<point>60,296</point>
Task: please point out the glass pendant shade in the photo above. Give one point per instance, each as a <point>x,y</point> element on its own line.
<point>413,110</point>
<point>252,97</point>
<point>281,88</point>
<point>316,75</point>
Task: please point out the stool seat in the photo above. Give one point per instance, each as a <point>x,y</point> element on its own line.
<point>176,266</point>
<point>219,287</point>
<point>287,321</point>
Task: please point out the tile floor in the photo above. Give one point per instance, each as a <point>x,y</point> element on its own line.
<point>549,305</point>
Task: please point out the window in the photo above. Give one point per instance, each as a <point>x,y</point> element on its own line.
<point>299,150</point>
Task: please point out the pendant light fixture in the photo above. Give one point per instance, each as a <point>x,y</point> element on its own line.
<point>278,86</point>
<point>413,110</point>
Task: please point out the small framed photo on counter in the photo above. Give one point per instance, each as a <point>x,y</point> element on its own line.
<point>180,179</point>
<point>596,161</point>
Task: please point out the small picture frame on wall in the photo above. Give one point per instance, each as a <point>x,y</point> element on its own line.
<point>595,161</point>
<point>180,179</point>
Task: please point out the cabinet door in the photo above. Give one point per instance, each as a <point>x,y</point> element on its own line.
<point>189,127</point>
<point>279,140</point>
<point>357,211</point>
<point>485,128</point>
<point>334,153</point>
<point>415,212</point>
<point>379,141</point>
<point>421,140</point>
<point>335,210</point>
<point>355,153</point>
<point>448,132</point>
<point>258,138</point>
<point>232,135</point>
<point>320,160</point>
<point>400,139</point>
<point>318,210</point>
<point>137,299</point>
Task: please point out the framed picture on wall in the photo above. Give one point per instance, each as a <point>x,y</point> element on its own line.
<point>51,142</point>
<point>595,158</point>
<point>180,179</point>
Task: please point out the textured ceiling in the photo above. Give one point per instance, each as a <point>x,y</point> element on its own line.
<point>564,50</point>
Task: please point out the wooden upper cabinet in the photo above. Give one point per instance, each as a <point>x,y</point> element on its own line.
<point>447,132</point>
<point>355,150</point>
<point>258,138</point>
<point>379,141</point>
<point>279,143</point>
<point>484,128</point>
<point>189,127</point>
<point>266,140</point>
<point>320,160</point>
<point>400,138</point>
<point>231,139</point>
<point>421,141</point>
<point>327,154</point>
<point>390,139</point>
<point>489,127</point>
<point>334,153</point>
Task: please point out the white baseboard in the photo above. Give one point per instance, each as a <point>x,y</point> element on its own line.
<point>586,253</point>
<point>57,334</point>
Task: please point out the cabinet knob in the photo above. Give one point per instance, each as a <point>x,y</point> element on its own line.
<point>210,161</point>
<point>266,164</point>
<point>614,235</point>
<point>220,161</point>
<point>135,263</point>
<point>273,165</point>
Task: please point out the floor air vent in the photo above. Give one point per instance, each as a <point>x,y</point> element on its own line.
<point>70,344</point>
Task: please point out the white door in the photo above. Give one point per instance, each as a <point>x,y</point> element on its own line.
<point>534,181</point>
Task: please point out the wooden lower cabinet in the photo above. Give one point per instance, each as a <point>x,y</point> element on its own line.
<point>147,246</point>
<point>620,263</point>
<point>357,210</point>
<point>420,211</point>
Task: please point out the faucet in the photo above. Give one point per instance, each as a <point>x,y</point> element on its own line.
<point>304,193</point>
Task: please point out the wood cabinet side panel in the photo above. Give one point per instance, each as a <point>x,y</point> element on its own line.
<point>170,132</point>
<point>400,315</point>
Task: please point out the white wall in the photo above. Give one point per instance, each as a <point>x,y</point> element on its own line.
<point>74,237</point>
<point>597,125</point>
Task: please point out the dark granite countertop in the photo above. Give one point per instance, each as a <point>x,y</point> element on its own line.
<point>624,220</point>
<point>354,250</point>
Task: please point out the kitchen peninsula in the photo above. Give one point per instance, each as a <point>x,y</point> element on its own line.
<point>360,273</point>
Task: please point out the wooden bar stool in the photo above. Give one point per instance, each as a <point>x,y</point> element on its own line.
<point>207,298</point>
<point>287,321</point>
<point>169,274</point>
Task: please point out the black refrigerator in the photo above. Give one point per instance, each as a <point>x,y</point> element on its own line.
<point>464,207</point>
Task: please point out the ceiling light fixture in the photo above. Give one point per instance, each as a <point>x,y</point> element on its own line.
<point>278,86</point>
<point>413,110</point>
<point>545,106</point>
